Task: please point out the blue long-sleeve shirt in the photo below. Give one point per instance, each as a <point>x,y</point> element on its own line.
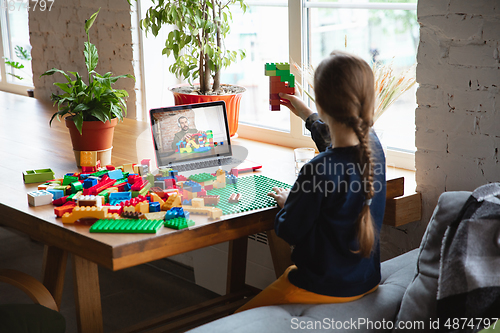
<point>319,218</point>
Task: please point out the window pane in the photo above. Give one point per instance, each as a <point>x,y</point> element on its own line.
<point>384,36</point>
<point>19,36</point>
<point>263,32</point>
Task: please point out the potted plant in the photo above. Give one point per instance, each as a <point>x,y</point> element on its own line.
<point>91,110</point>
<point>197,44</point>
<point>23,55</point>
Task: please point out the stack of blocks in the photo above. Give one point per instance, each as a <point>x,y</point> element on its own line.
<point>197,143</point>
<point>280,81</point>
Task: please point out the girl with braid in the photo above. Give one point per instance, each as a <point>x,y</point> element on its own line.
<point>333,213</point>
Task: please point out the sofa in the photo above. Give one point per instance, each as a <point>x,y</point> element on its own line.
<point>406,297</point>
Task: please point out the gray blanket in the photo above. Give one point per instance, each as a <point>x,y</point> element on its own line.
<point>469,275</point>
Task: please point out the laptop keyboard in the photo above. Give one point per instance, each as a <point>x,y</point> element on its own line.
<point>206,164</point>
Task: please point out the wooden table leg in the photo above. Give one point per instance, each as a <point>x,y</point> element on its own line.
<point>53,271</point>
<point>87,295</point>
<point>280,253</point>
<point>237,264</point>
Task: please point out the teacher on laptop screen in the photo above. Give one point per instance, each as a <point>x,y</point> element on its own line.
<point>185,133</point>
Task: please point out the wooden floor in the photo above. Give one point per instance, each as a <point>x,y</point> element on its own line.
<point>128,296</point>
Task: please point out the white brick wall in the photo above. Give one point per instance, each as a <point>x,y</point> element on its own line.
<point>57,39</point>
<point>458,118</point>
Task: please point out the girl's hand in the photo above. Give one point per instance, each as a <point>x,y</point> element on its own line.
<point>296,105</point>
<point>280,196</point>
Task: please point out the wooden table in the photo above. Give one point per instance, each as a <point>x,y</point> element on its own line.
<point>28,143</point>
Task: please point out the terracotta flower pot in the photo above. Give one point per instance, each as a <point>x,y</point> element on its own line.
<point>232,104</point>
<point>96,136</point>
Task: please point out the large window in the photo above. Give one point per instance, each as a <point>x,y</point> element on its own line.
<point>14,36</point>
<point>305,31</point>
<point>379,32</point>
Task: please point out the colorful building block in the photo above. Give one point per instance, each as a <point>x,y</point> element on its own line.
<point>176,212</point>
<point>197,202</point>
<point>234,198</point>
<point>174,200</point>
<point>61,201</point>
<point>68,179</point>
<point>66,208</point>
<point>178,223</point>
<point>56,193</point>
<point>39,198</point>
<point>155,216</point>
<point>154,207</point>
<point>89,182</point>
<point>142,207</point>
<point>191,186</point>
<point>76,186</point>
<point>90,200</point>
<point>126,226</point>
<point>212,212</point>
<point>117,197</point>
<point>37,176</point>
<point>203,178</point>
<point>94,190</point>
<point>87,212</point>
<point>129,167</point>
<point>156,198</point>
<point>127,214</point>
<point>88,158</point>
<point>115,174</point>
<point>231,179</point>
<point>210,200</point>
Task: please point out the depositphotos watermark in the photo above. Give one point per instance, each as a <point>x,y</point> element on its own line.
<point>332,177</point>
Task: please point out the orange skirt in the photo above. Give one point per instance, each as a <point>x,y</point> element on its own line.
<point>282,291</point>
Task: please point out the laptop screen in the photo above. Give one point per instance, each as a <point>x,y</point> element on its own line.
<point>186,133</point>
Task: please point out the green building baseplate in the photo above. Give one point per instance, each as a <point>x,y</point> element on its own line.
<point>178,223</point>
<point>253,190</point>
<point>132,226</point>
<point>202,177</point>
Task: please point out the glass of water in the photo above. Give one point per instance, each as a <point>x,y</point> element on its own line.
<point>302,156</point>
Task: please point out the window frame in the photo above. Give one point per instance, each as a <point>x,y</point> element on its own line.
<point>297,30</point>
<point>5,85</point>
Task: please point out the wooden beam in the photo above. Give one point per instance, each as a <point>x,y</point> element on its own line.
<point>87,295</point>
<point>53,271</point>
<point>237,264</point>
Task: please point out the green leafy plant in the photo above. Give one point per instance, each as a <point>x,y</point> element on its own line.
<point>197,42</point>
<point>97,100</point>
<point>23,55</point>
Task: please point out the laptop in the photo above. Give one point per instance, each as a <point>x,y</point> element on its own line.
<point>194,136</point>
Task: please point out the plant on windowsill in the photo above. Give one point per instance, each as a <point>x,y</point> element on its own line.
<point>197,45</point>
<point>388,85</point>
<point>23,55</point>
<point>92,110</point>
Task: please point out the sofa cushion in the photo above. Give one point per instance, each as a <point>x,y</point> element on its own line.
<point>419,301</point>
<point>381,305</point>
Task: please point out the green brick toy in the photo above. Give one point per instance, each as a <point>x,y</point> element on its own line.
<point>253,190</point>
<point>132,226</point>
<point>38,176</point>
<point>178,223</point>
<point>202,177</point>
